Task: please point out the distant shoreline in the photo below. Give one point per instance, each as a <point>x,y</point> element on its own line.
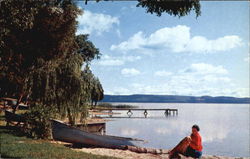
<point>140,98</point>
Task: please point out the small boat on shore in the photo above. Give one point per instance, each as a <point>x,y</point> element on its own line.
<point>66,133</point>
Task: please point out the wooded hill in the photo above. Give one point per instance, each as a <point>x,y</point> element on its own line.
<point>140,98</point>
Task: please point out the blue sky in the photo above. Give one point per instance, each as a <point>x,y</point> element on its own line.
<point>146,54</point>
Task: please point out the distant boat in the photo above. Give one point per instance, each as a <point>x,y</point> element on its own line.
<point>66,133</point>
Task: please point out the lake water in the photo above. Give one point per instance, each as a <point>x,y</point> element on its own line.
<point>224,127</point>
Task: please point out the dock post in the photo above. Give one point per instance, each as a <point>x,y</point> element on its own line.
<point>145,113</point>
<point>129,113</point>
<point>167,112</point>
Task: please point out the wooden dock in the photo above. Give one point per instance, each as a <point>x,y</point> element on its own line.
<point>145,110</point>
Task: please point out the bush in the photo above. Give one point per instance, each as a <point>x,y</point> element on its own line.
<point>38,121</point>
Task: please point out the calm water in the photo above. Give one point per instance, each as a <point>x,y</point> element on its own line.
<point>224,127</point>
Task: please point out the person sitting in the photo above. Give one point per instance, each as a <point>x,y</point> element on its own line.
<point>190,146</point>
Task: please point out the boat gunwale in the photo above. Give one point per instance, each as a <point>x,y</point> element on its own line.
<point>109,136</point>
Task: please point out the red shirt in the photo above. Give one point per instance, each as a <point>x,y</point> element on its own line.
<point>196,142</point>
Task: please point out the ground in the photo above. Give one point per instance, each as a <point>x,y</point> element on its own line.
<point>126,154</point>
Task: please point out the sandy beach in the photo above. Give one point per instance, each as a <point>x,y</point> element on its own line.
<point>126,154</point>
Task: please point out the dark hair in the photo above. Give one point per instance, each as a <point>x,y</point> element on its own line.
<point>196,127</point>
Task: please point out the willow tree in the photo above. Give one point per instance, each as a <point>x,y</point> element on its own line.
<point>97,92</point>
<point>42,57</point>
<point>94,85</point>
<point>33,34</point>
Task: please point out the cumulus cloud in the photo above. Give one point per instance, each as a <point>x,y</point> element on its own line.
<point>135,42</point>
<point>203,68</point>
<point>130,72</point>
<point>107,60</point>
<point>200,79</point>
<point>177,39</point>
<point>163,73</point>
<point>95,23</point>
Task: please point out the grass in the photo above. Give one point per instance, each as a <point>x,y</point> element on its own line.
<point>14,144</point>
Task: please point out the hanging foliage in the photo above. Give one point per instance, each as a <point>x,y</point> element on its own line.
<point>95,87</point>
<point>41,57</point>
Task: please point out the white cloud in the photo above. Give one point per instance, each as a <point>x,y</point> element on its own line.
<point>206,80</point>
<point>203,68</point>
<point>107,60</point>
<point>95,23</point>
<point>133,43</point>
<point>201,44</point>
<point>131,58</point>
<point>212,78</point>
<point>130,72</point>
<point>163,73</point>
<point>197,79</point>
<point>177,39</point>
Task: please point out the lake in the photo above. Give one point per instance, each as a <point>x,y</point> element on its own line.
<point>224,127</point>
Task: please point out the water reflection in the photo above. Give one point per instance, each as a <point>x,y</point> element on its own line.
<point>220,127</point>
<point>129,132</point>
<point>163,131</point>
<point>215,132</point>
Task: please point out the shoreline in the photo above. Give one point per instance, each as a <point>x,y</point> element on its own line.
<point>127,154</point>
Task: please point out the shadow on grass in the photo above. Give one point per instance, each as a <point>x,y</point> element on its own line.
<point>8,157</point>
<point>14,130</point>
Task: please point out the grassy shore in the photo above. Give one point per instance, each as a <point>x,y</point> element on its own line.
<point>14,144</point>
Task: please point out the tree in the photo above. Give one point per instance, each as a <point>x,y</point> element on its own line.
<point>97,92</point>
<point>42,57</point>
<point>94,85</point>
<point>87,49</point>
<point>172,7</point>
<point>33,34</point>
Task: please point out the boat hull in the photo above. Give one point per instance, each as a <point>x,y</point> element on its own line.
<point>66,133</point>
